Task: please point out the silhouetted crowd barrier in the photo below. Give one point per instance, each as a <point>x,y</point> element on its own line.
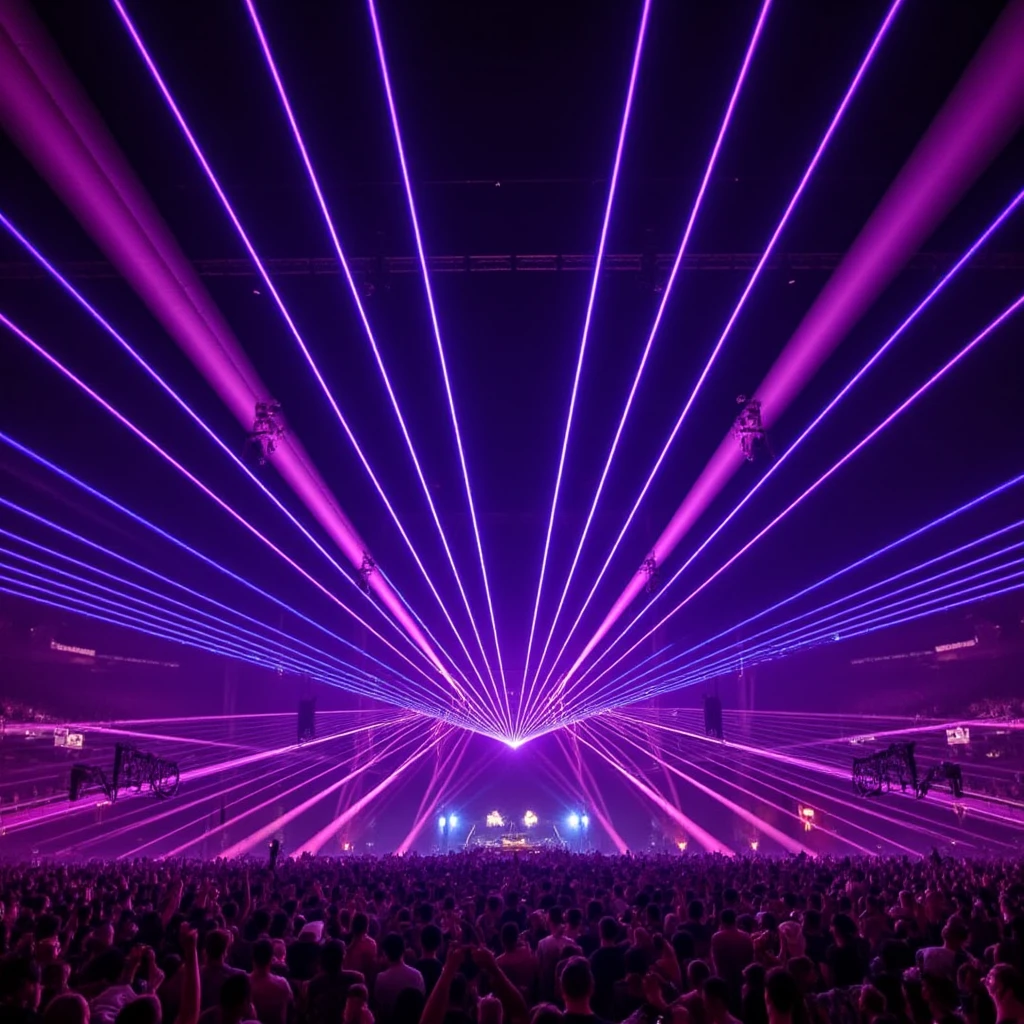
<point>479,938</point>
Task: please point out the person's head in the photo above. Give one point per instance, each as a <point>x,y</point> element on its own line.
<point>236,999</point>
<point>19,983</point>
<point>941,994</point>
<point>574,918</point>
<point>803,970</point>
<point>556,918</point>
<point>360,925</point>
<point>716,998</point>
<point>577,984</point>
<point>509,936</point>
<point>608,931</point>
<point>682,943</point>
<point>144,1010</point>
<point>871,1002</point>
<point>488,1011</point>
<point>844,929</point>
<point>1005,985</point>
<point>430,939</point>
<point>546,1013</point>
<point>408,1007</point>
<point>812,922</point>
<point>955,934</point>
<point>262,954</point>
<point>695,911</point>
<point>727,918</point>
<point>355,1003</point>
<point>70,1008</point>
<point>697,972</point>
<point>55,977</point>
<point>636,961</point>
<point>393,947</point>
<point>217,943</point>
<point>781,994</point>
<point>332,957</point>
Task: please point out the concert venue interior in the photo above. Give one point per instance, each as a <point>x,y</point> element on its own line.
<point>582,427</point>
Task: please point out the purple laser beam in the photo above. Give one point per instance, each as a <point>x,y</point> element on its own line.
<point>698,202</point>
<point>346,271</point>
<point>440,347</point>
<point>587,320</point>
<point>755,276</point>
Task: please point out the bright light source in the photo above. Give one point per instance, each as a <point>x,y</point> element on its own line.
<point>574,820</point>
<point>530,819</point>
<point>442,822</point>
<point>495,820</point>
<point>682,844</point>
<point>806,815</point>
<point>452,821</point>
<point>754,844</point>
<point>585,821</point>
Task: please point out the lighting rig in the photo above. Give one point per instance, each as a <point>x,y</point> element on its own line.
<point>649,568</point>
<point>133,770</point>
<point>896,767</point>
<point>267,430</point>
<point>366,569</point>
<point>748,428</point>
<point>886,770</point>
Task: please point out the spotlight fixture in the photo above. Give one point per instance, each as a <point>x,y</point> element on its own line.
<point>366,570</point>
<point>530,819</point>
<point>442,823</point>
<point>495,820</point>
<point>585,820</point>
<point>573,821</point>
<point>748,428</point>
<point>452,821</point>
<point>886,770</point>
<point>806,816</point>
<point>649,568</point>
<point>754,844</point>
<point>267,430</point>
<point>682,844</point>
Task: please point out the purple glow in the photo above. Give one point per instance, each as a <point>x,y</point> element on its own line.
<point>352,545</point>
<point>224,642</point>
<point>900,409</point>
<point>777,463</point>
<point>241,520</point>
<point>698,202</point>
<point>879,618</point>
<point>879,552</point>
<point>440,348</point>
<point>972,127</point>
<point>95,314</point>
<point>588,317</point>
<point>314,843</point>
<point>788,844</point>
<point>182,546</point>
<point>706,840</point>
<point>322,202</point>
<point>658,548</point>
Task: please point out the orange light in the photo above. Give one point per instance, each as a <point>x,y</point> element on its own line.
<point>682,845</point>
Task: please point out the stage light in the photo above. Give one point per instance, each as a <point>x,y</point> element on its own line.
<point>452,821</point>
<point>442,822</point>
<point>530,819</point>
<point>495,820</point>
<point>806,815</point>
<point>754,844</point>
<point>573,820</point>
<point>682,844</point>
<point>585,821</point>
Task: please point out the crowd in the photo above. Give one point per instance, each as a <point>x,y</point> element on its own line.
<point>480,938</point>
